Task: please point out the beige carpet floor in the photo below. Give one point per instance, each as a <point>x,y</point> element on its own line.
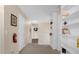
<point>38,49</point>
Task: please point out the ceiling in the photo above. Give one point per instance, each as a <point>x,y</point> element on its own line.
<point>39,12</point>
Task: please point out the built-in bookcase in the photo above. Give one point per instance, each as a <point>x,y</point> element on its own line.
<point>70,14</point>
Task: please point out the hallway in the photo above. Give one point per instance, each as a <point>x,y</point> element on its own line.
<point>50,26</point>
<point>27,24</point>
<point>38,49</point>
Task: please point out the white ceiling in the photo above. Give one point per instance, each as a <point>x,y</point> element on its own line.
<point>38,12</point>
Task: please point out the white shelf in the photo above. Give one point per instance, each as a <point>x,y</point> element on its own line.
<point>73,16</point>
<point>71,22</point>
<point>70,36</point>
<point>73,25</point>
<point>73,33</point>
<point>73,13</point>
<point>69,40</point>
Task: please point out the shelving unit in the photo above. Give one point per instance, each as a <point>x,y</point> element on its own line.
<point>69,41</point>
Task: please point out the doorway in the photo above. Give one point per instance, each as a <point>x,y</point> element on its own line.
<point>34,33</point>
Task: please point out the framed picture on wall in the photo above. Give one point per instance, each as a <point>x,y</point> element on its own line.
<point>13,20</point>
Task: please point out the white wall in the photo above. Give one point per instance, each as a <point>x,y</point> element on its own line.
<point>21,32</point>
<point>55,38</point>
<point>59,30</point>
<point>28,31</point>
<point>69,40</point>
<point>43,32</point>
<point>55,31</point>
<point>11,47</point>
<point>1,29</point>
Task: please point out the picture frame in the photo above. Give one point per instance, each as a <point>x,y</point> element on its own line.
<point>13,20</point>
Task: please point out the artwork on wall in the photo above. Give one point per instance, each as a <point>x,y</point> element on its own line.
<point>77,42</point>
<point>13,20</point>
<point>35,29</point>
<point>65,31</point>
